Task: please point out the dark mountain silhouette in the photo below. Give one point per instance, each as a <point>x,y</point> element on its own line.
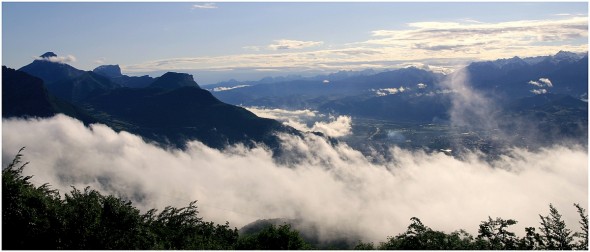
<point>177,115</point>
<point>110,71</point>
<point>50,71</point>
<point>172,80</point>
<point>65,81</point>
<point>113,72</point>
<point>172,110</point>
<point>81,87</point>
<point>24,95</point>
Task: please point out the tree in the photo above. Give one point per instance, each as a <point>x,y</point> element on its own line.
<point>583,243</point>
<point>364,246</point>
<point>30,215</point>
<point>181,228</point>
<point>37,218</point>
<point>532,240</point>
<point>94,221</point>
<point>273,238</point>
<point>554,233</point>
<point>495,235</point>
<point>419,236</point>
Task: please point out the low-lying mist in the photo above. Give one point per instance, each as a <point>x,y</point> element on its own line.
<point>308,120</point>
<point>336,187</point>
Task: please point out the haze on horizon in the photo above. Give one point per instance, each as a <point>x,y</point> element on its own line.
<point>247,41</point>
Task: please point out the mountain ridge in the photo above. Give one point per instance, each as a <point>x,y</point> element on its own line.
<point>170,111</point>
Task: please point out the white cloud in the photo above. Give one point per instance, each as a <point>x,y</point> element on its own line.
<point>334,186</point>
<point>100,60</point>
<point>478,37</point>
<point>542,83</point>
<point>535,83</point>
<point>389,91</point>
<point>220,89</point>
<point>539,91</point>
<point>546,81</point>
<point>421,85</point>
<point>286,44</point>
<point>58,59</point>
<point>282,114</point>
<point>439,46</point>
<point>307,120</point>
<point>469,108</point>
<point>205,6</point>
<point>338,127</point>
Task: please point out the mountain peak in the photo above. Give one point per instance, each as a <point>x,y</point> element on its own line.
<point>564,55</point>
<point>172,80</point>
<point>110,71</point>
<point>48,55</point>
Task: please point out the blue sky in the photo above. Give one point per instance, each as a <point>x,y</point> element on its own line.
<point>223,40</point>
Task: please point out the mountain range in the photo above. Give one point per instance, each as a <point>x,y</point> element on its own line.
<point>169,110</point>
<point>517,90</point>
<point>503,79</point>
<point>550,91</point>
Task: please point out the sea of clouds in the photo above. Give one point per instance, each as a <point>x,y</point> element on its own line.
<point>333,186</point>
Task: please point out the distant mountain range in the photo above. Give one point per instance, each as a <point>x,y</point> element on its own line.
<point>503,79</point>
<point>550,91</point>
<point>170,109</point>
<point>421,96</point>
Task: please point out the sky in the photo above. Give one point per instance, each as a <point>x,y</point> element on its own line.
<point>247,41</point>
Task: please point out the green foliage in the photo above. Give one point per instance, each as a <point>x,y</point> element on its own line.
<point>29,213</point>
<point>37,218</point>
<point>554,234</point>
<point>493,234</point>
<point>419,236</point>
<point>180,228</point>
<point>583,243</point>
<point>273,238</point>
<point>364,246</point>
<point>94,221</point>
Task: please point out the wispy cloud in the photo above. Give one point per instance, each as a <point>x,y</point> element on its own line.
<point>483,39</point>
<point>100,60</point>
<point>252,48</point>
<point>204,6</point>
<point>441,46</point>
<point>285,44</point>
<point>58,59</point>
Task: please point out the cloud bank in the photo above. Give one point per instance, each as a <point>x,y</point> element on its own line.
<point>333,186</point>
<point>285,44</point>
<point>308,121</point>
